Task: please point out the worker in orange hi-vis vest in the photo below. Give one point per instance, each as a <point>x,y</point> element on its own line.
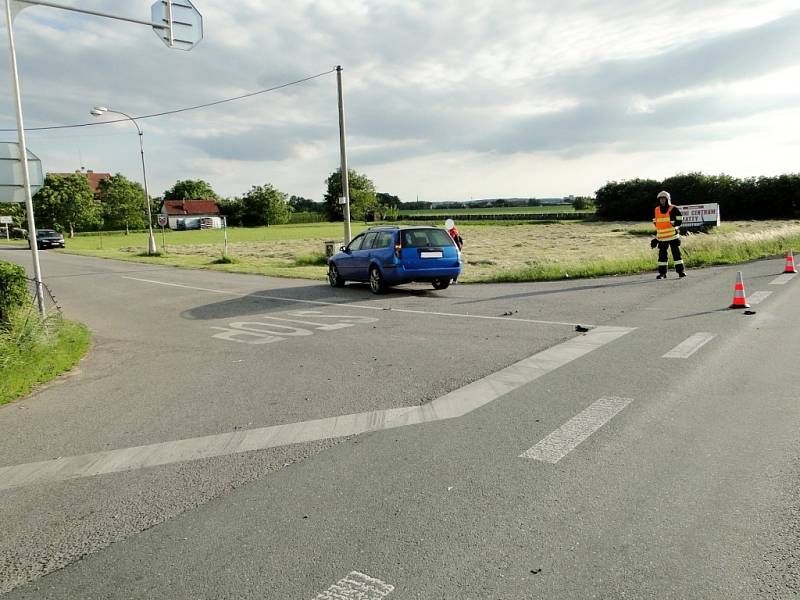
<point>668,219</point>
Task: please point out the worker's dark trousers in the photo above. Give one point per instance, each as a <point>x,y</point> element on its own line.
<point>676,256</point>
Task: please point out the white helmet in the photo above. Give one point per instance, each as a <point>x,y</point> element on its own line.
<point>449,224</point>
<point>664,194</point>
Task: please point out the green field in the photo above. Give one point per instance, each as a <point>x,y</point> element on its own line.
<point>302,231</point>
<point>518,210</point>
<point>493,251</point>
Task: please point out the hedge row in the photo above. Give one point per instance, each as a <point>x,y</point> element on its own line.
<point>13,289</point>
<point>738,199</point>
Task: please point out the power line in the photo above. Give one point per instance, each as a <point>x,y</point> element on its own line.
<point>178,110</point>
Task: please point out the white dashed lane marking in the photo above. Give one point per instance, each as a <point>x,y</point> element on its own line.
<point>758,297</point>
<point>782,279</point>
<point>689,346</point>
<point>567,437</point>
<point>356,586</point>
<point>455,404</point>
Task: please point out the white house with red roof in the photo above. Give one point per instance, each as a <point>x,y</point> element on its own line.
<point>186,214</point>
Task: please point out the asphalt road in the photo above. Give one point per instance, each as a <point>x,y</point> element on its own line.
<point>539,462</point>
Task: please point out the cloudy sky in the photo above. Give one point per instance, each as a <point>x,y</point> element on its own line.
<point>446,100</point>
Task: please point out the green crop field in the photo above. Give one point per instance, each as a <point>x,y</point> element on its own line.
<point>453,212</point>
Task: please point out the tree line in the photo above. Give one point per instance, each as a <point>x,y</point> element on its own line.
<point>750,198</point>
<point>68,204</point>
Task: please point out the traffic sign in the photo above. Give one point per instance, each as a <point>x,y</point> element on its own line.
<point>182,21</point>
<point>162,220</point>
<point>12,182</point>
<point>6,219</point>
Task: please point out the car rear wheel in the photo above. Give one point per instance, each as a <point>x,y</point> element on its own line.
<point>334,278</point>
<point>376,282</point>
<point>441,284</point>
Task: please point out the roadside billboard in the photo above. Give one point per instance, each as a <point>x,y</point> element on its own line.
<point>700,215</point>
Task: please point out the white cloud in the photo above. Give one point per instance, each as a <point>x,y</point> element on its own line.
<point>445,99</point>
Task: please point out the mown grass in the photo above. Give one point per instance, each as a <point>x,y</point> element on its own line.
<point>35,350</point>
<point>732,245</point>
<point>493,251</point>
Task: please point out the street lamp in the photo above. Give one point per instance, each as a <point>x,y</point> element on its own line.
<point>151,240</point>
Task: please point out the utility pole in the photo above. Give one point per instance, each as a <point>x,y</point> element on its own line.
<point>343,153</point>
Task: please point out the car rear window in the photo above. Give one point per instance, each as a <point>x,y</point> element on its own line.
<point>384,240</point>
<point>421,238</point>
<point>43,232</point>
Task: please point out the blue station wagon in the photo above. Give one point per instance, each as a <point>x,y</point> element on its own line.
<point>387,256</point>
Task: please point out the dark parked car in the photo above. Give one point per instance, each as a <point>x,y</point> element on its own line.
<point>387,256</point>
<point>47,238</point>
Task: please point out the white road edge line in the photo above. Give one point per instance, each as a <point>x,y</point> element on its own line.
<point>567,437</point>
<point>781,279</point>
<point>349,305</point>
<point>690,345</point>
<point>358,587</point>
<point>452,405</point>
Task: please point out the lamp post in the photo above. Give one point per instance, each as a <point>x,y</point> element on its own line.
<point>151,240</point>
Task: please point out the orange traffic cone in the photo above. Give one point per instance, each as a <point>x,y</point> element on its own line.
<point>739,299</point>
<point>790,263</point>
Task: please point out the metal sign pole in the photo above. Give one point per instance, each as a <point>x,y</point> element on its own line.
<point>23,150</point>
<point>342,151</point>
<point>225,233</point>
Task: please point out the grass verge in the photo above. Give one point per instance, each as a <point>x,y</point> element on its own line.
<point>493,251</point>
<point>719,247</point>
<point>34,351</point>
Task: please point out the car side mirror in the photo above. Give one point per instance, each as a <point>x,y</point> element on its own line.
<point>343,249</point>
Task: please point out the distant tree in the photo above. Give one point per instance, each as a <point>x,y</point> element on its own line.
<point>16,211</point>
<point>388,206</point>
<point>265,205</point>
<point>582,203</point>
<point>416,205</point>
<point>387,200</point>
<point>190,189</point>
<point>300,204</point>
<point>534,202</point>
<point>632,200</point>
<point>122,203</point>
<point>232,209</point>
<point>363,202</point>
<point>67,203</point>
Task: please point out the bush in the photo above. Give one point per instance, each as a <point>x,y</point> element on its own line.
<point>225,259</point>
<point>13,289</point>
<point>750,198</point>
